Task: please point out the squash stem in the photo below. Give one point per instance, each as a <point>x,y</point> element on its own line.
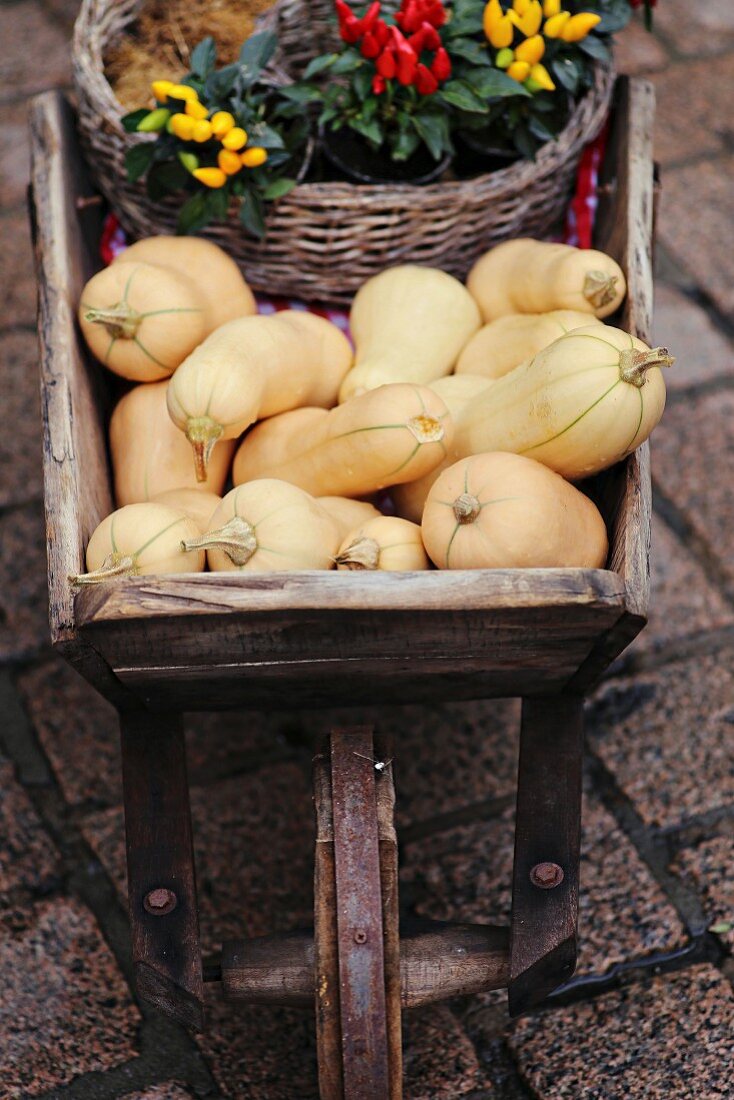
<point>599,288</point>
<point>236,539</point>
<point>466,508</point>
<point>202,433</point>
<point>363,553</point>
<point>426,429</point>
<point>634,364</point>
<point>121,321</point>
<point>114,565</point>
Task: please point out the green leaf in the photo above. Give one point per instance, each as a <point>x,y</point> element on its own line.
<point>194,214</point>
<point>139,159</point>
<point>131,120</point>
<point>594,47</point>
<point>567,72</point>
<point>540,130</point>
<point>252,215</point>
<point>433,132</point>
<point>165,178</point>
<point>262,134</point>
<point>255,54</point>
<point>362,83</point>
<point>300,93</point>
<point>278,188</point>
<point>218,203</point>
<point>204,58</point>
<point>461,95</point>
<point>219,84</point>
<point>318,64</point>
<point>721,927</point>
<point>469,50</point>
<point>346,63</point>
<point>406,144</point>
<point>615,14</point>
<point>524,143</point>
<point>492,83</point>
<point>372,130</point>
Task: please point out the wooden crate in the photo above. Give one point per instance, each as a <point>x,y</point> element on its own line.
<point>210,641</point>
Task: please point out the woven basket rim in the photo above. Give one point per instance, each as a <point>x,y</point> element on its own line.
<point>88,47</point>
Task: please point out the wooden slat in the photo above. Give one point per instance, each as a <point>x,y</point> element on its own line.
<point>166,949</point>
<point>547,830</point>
<point>326,952</point>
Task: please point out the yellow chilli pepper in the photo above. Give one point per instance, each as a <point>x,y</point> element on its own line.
<point>210,177</point>
<point>182,91</point>
<point>196,110</point>
<point>182,126</point>
<point>154,122</point>
<point>531,50</point>
<point>222,122</point>
<point>502,33</point>
<point>551,8</point>
<point>161,89</point>
<point>579,26</point>
<point>540,76</point>
<point>504,58</point>
<point>519,71</point>
<point>521,6</point>
<point>236,139</point>
<point>529,22</point>
<point>229,162</point>
<point>190,161</point>
<point>554,26</point>
<point>254,157</point>
<point>202,130</point>
<point>492,15</point>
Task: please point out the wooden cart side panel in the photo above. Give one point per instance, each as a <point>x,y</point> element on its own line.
<point>625,230</point>
<point>76,475</point>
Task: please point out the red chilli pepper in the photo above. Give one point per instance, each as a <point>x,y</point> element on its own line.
<point>368,20</point>
<point>407,68</point>
<point>425,81</point>
<point>409,18</point>
<point>431,38</point>
<point>386,64</point>
<point>370,46</point>
<point>378,84</point>
<point>441,67</point>
<point>381,32</point>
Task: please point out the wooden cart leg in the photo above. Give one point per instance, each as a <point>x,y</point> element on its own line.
<point>164,917</point>
<point>356,941</point>
<point>547,844</point>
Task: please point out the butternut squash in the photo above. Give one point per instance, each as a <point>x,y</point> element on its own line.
<point>503,511</point>
<point>383,437</point>
<point>348,514</point>
<point>140,320</point>
<point>197,504</point>
<point>140,538</point>
<point>408,324</point>
<point>149,453</point>
<point>457,391</point>
<point>218,278</point>
<point>386,543</point>
<point>527,276</point>
<point>252,368</point>
<point>267,526</point>
<point>503,344</point>
<point>579,406</point>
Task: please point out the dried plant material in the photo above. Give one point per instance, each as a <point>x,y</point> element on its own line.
<point>158,43</point>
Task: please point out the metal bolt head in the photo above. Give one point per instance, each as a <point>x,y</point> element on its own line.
<point>546,875</point>
<point>160,901</point>
<point>360,936</point>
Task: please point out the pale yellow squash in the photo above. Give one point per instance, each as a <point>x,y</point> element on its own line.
<point>408,324</point>
<point>268,526</point>
<point>503,344</point>
<point>348,514</point>
<point>149,453</point>
<point>503,511</point>
<point>197,504</point>
<point>141,539</point>
<point>253,368</point>
<point>384,543</point>
<point>141,320</point>
<point>217,276</point>
<point>579,406</point>
<point>383,437</point>
<point>457,391</point>
<point>528,276</point>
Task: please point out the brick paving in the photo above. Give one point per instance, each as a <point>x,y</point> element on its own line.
<point>650,1011</point>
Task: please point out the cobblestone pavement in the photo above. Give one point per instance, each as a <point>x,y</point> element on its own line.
<point>650,1011</point>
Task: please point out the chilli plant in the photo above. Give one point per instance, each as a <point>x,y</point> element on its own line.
<point>222,135</point>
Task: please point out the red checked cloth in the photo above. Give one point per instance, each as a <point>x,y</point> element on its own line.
<point>578,231</point>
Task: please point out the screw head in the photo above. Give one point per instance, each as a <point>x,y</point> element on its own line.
<point>160,901</point>
<point>360,936</point>
<point>546,875</point>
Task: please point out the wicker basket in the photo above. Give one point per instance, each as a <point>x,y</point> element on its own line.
<point>325,239</point>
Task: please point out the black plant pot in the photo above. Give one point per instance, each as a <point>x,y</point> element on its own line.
<point>353,159</point>
<point>476,155</point>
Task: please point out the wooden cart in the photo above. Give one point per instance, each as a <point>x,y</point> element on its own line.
<point>156,646</point>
